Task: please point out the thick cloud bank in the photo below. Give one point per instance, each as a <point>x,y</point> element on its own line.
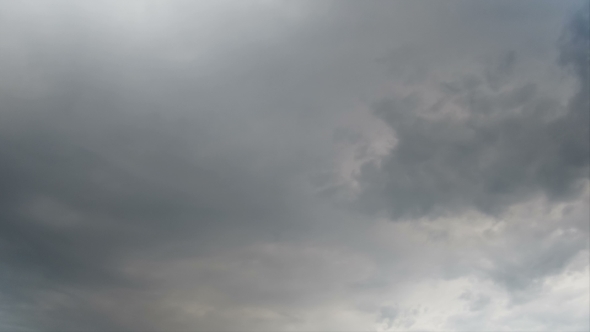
<point>500,144</point>
<point>294,166</point>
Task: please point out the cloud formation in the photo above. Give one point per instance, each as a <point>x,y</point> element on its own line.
<point>294,166</point>
<point>485,143</point>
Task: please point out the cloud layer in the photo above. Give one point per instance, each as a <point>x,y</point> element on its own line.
<point>294,166</point>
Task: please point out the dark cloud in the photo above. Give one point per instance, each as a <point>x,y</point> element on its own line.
<point>72,215</point>
<point>159,162</point>
<point>109,164</point>
<point>510,144</point>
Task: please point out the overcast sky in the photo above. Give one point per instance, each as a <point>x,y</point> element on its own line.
<point>294,165</point>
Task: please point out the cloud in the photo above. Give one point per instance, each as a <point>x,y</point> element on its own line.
<point>484,143</point>
<point>199,166</point>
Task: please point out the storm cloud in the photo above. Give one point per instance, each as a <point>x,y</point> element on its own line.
<point>294,166</point>
<point>497,143</point>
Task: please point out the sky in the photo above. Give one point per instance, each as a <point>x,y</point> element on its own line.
<point>294,165</point>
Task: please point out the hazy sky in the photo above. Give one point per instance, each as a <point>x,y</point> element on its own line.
<point>294,165</point>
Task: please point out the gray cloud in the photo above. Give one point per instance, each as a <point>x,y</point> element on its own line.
<point>160,162</point>
<point>510,145</point>
<point>100,169</point>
